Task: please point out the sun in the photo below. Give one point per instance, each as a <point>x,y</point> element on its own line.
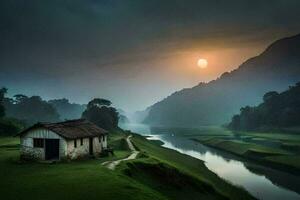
<point>202,63</point>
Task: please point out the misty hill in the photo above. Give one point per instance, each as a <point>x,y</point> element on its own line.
<point>34,109</point>
<point>217,101</point>
<point>30,110</point>
<point>67,110</point>
<point>122,116</point>
<point>278,110</point>
<point>138,116</point>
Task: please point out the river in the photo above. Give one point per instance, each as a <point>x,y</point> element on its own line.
<point>262,182</point>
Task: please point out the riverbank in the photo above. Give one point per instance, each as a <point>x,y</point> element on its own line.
<point>156,173</point>
<point>189,166</point>
<point>276,150</point>
<point>260,181</point>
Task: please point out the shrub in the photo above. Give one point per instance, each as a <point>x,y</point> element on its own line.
<point>10,127</point>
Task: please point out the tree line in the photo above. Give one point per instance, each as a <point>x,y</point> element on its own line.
<point>21,111</point>
<point>278,110</point>
<point>8,126</point>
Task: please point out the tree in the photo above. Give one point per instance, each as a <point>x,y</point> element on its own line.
<point>100,113</point>
<point>99,102</point>
<point>3,91</point>
<point>269,96</point>
<point>19,98</point>
<point>278,110</point>
<point>235,122</point>
<point>8,126</point>
<point>66,109</point>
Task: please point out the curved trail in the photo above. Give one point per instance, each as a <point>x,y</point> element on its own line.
<point>112,164</point>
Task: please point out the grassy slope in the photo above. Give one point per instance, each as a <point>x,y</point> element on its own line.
<point>74,180</point>
<point>276,149</point>
<point>189,165</point>
<point>168,180</point>
<point>82,179</point>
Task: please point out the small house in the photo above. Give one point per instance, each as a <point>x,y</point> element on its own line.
<point>65,140</point>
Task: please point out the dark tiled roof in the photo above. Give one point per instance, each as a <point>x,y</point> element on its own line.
<point>71,129</point>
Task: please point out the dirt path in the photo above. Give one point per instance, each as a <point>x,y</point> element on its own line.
<point>112,164</point>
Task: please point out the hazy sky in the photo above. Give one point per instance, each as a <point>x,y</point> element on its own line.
<point>132,52</point>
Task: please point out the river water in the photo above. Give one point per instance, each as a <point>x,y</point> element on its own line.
<point>262,182</point>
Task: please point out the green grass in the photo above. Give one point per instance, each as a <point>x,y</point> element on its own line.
<point>242,148</point>
<point>291,160</point>
<point>274,149</point>
<point>88,179</point>
<point>295,138</point>
<point>118,154</point>
<point>117,140</point>
<point>169,181</point>
<point>73,180</point>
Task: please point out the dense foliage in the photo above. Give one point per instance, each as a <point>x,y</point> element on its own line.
<point>102,114</point>
<point>2,109</point>
<point>8,126</point>
<point>277,110</point>
<point>30,109</point>
<point>67,110</point>
<point>99,102</point>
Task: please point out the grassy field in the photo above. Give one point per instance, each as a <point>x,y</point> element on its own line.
<point>280,150</point>
<point>158,173</point>
<point>73,180</point>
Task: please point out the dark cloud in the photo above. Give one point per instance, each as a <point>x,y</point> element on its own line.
<point>70,41</point>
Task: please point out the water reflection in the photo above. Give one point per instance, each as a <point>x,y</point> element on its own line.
<point>226,166</point>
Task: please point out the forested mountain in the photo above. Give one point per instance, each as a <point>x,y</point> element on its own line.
<point>67,110</point>
<point>278,110</point>
<point>217,101</point>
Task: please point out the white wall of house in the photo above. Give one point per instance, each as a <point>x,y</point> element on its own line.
<point>100,143</point>
<point>66,147</point>
<point>104,142</point>
<point>84,149</point>
<point>97,146</point>
<point>29,150</point>
<point>79,151</point>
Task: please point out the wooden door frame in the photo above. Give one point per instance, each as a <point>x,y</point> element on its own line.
<point>91,146</point>
<point>45,147</point>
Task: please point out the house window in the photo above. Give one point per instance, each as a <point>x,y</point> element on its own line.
<point>81,141</point>
<point>75,143</point>
<point>103,138</point>
<point>38,143</point>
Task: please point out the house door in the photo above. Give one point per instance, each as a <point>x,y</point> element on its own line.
<point>52,149</point>
<point>91,146</point>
